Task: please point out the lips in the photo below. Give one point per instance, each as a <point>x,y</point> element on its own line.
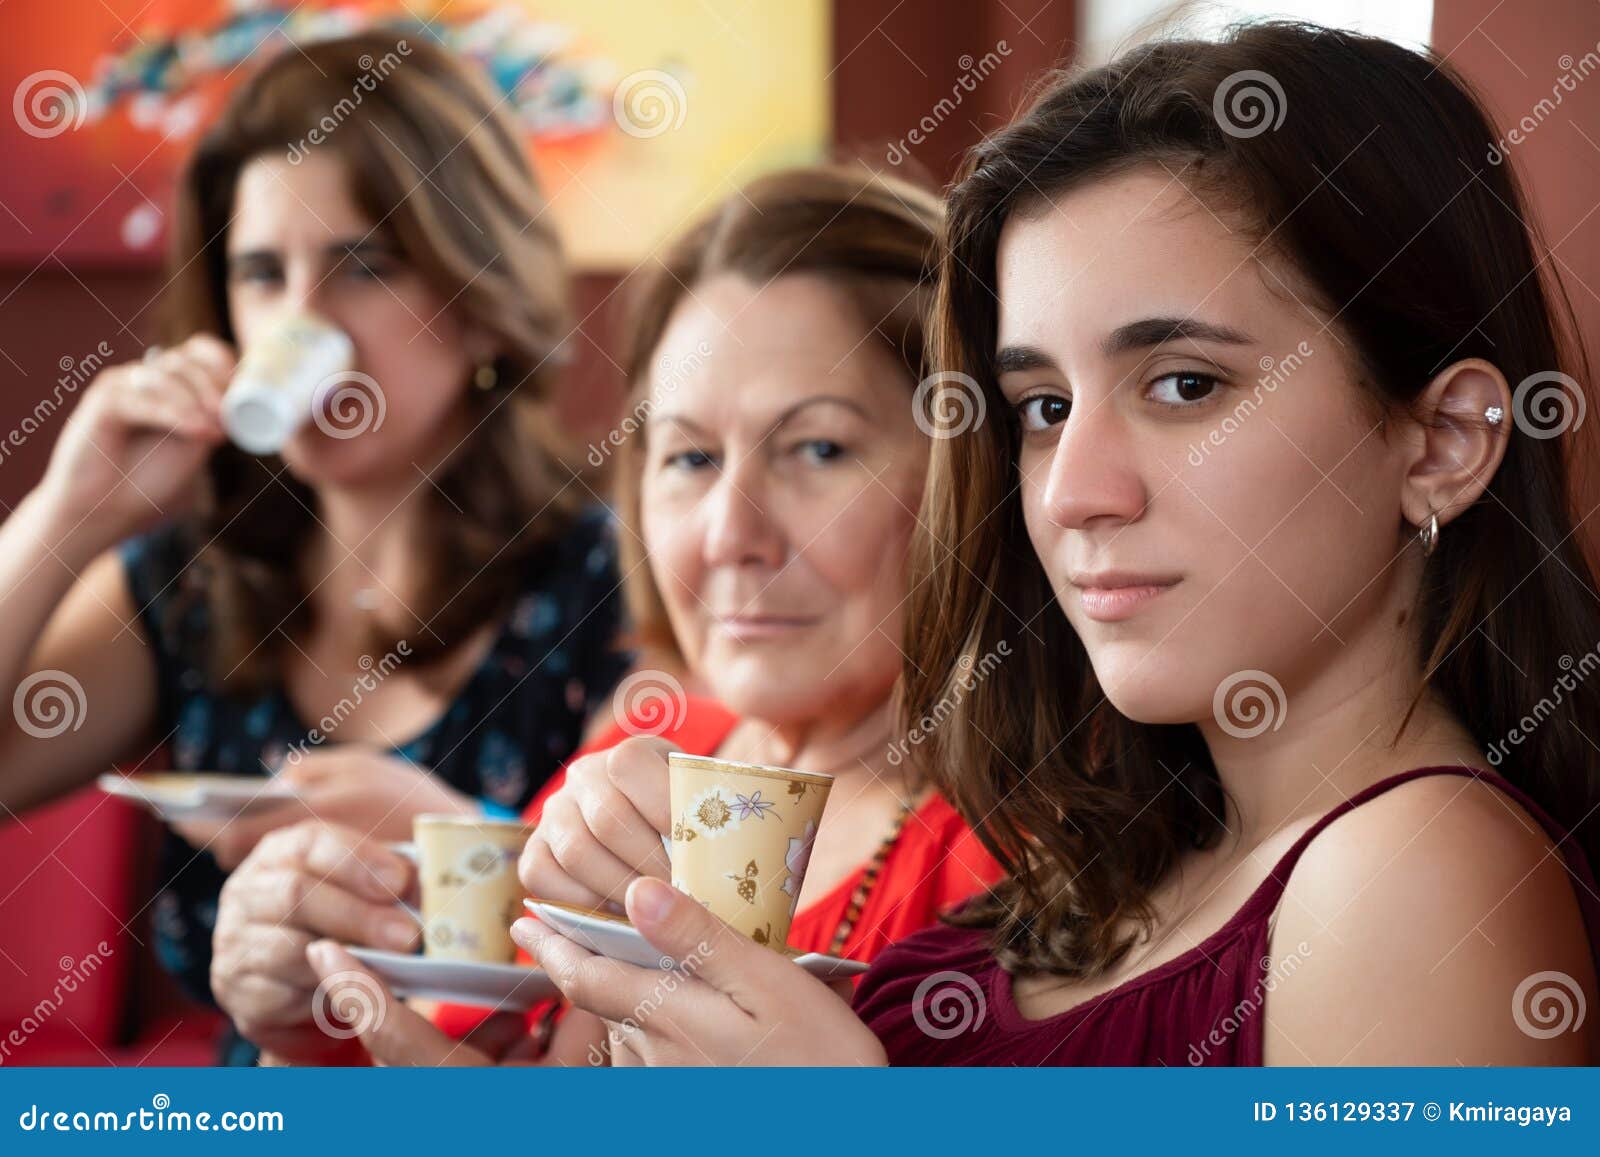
<point>749,616</point>
<point>751,627</point>
<point>1112,579</point>
<point>1112,596</point>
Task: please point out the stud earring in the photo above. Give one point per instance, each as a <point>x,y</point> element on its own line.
<point>1493,415</point>
<point>486,377</point>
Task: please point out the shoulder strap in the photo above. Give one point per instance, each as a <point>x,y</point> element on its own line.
<point>1279,877</point>
<point>1272,888</point>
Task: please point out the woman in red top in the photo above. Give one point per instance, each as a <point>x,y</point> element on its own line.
<point>924,867</point>
<point>769,467</point>
<point>927,862</point>
<point>1272,504</point>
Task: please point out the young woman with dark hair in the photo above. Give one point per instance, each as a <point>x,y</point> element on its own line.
<point>1272,502</point>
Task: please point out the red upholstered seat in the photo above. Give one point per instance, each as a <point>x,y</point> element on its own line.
<point>73,894</point>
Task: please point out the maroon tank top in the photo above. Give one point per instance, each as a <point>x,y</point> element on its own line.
<point>939,997</point>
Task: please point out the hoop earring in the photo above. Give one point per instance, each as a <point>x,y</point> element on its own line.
<point>486,377</point>
<point>1429,535</point>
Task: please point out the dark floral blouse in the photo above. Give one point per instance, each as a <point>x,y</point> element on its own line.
<point>514,723</point>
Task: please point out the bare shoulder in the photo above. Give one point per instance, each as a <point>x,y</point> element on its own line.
<point>1436,924</point>
<point>1406,845</point>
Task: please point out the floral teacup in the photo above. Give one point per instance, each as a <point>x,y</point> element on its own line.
<point>741,839</point>
<point>470,891</point>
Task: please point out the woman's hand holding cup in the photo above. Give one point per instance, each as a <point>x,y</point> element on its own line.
<point>143,430</point>
<point>301,884</point>
<point>603,829</point>
<point>730,1002</point>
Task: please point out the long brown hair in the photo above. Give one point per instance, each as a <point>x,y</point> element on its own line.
<point>434,160</point>
<point>873,236</point>
<point>1077,801</point>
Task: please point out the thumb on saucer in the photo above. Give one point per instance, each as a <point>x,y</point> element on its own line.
<point>681,927</point>
<point>392,1032</point>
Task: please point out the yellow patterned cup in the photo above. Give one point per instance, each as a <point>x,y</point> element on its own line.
<point>741,839</point>
<point>470,891</point>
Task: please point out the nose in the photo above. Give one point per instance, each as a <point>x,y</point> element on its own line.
<point>739,528</point>
<point>304,287</point>
<point>1092,477</point>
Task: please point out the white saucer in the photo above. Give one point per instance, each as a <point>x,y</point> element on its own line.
<point>178,796</point>
<point>505,987</point>
<point>614,937</point>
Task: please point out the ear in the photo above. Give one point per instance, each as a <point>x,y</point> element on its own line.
<point>1458,448</point>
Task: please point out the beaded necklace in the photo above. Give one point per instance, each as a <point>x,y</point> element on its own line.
<point>869,880</point>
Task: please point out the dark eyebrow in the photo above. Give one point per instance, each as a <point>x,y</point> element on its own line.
<point>247,256</point>
<point>1135,335</point>
<point>362,252</point>
<point>356,247</point>
<point>1154,331</point>
<point>1015,358</point>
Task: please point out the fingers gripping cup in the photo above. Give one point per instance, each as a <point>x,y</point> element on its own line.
<point>741,839</point>
<point>470,891</point>
<point>275,387</point>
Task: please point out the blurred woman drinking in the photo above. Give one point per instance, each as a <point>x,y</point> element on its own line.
<point>441,532</point>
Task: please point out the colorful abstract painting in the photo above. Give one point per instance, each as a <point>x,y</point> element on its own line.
<point>635,113</point>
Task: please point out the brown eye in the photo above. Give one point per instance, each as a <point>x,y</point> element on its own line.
<point>254,272</point>
<point>1182,389</point>
<point>821,450</point>
<point>689,460</point>
<point>1042,411</point>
